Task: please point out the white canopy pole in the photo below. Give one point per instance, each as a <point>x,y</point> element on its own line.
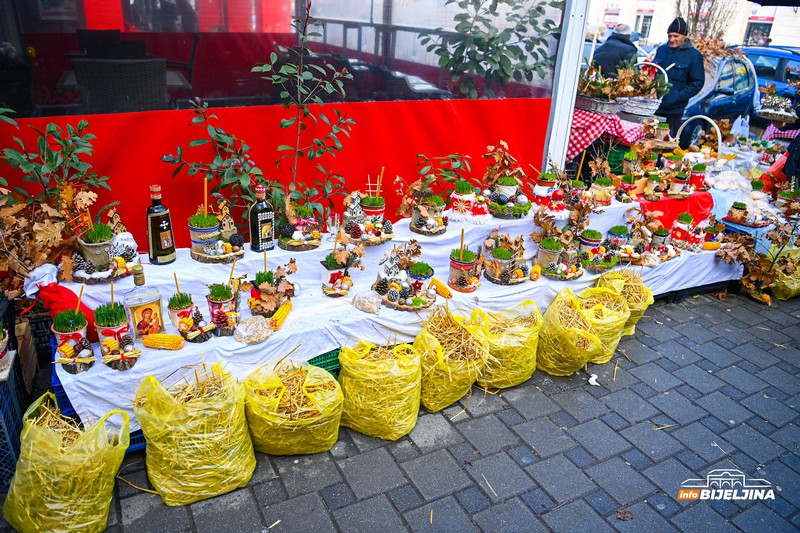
<point>565,76</point>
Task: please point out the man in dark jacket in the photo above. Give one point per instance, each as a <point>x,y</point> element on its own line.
<point>617,48</point>
<point>684,65</point>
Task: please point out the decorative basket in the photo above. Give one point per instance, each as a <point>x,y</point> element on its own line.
<point>596,105</point>
<point>639,105</point>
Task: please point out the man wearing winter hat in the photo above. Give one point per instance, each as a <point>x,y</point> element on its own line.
<point>684,65</point>
<point>617,48</point>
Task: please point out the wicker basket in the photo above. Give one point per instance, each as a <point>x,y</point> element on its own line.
<point>641,106</point>
<point>596,105</point>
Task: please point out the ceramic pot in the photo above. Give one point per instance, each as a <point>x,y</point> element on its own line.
<point>459,269</point>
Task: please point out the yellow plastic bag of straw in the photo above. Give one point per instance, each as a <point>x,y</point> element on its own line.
<point>638,296</point>
<point>197,440</point>
<point>785,286</point>
<point>293,408</point>
<point>62,486</point>
<point>513,337</point>
<point>381,395</point>
<point>449,371</point>
<point>607,312</point>
<point>566,341</point>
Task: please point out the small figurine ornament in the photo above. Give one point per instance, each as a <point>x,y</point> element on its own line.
<point>354,212</point>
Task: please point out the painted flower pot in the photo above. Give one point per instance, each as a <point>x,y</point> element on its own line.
<point>542,192</point>
<point>95,253</point>
<point>419,283</point>
<point>619,239</point>
<point>458,270</point>
<point>586,244</point>
<point>509,190</point>
<point>114,332</point>
<point>462,203</point>
<point>677,186</point>
<point>217,310</point>
<point>175,315</point>
<point>662,132</point>
<point>649,165</point>
<point>737,214</point>
<point>658,240</point>
<point>698,180</point>
<point>202,237</point>
<point>374,214</point>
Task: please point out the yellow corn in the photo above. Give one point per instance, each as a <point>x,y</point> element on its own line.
<point>280,315</point>
<point>111,344</point>
<point>441,289</point>
<point>164,341</point>
<point>67,351</point>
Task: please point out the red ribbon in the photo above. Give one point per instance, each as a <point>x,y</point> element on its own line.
<point>66,337</point>
<point>336,276</point>
<point>186,313</point>
<point>117,334</point>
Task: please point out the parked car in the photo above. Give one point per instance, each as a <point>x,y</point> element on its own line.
<point>730,91</point>
<point>776,64</point>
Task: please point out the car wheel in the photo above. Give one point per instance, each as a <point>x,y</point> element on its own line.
<point>690,135</point>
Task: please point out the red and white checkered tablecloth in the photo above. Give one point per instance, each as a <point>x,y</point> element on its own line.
<point>774,133</point>
<point>586,127</point>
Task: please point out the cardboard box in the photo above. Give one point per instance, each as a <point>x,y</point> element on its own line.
<point>26,351</point>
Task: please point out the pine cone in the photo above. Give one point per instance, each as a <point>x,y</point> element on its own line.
<point>286,230</point>
<point>583,256</point>
<point>387,227</point>
<point>596,259</point>
<point>608,257</point>
<point>126,340</point>
<point>382,286</point>
<point>404,293</point>
<point>197,316</point>
<point>129,254</point>
<point>89,268</point>
<point>393,295</point>
<point>348,226</point>
<point>83,344</point>
<point>80,262</point>
<point>462,282</point>
<point>552,265</point>
<point>505,276</point>
<point>236,240</point>
<point>640,247</point>
<point>356,232</point>
<point>221,319</point>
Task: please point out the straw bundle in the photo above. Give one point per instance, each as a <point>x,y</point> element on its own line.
<point>607,312</point>
<point>381,387</point>
<point>566,340</point>
<point>513,339</point>
<point>197,440</point>
<point>64,478</point>
<point>453,354</point>
<point>630,285</point>
<point>292,408</point>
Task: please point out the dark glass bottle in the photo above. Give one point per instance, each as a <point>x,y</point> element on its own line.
<point>160,240</point>
<point>262,222</point>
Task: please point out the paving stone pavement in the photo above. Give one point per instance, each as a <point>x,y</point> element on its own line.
<point>703,385</point>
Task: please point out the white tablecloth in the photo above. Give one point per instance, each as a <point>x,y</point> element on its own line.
<point>318,324</point>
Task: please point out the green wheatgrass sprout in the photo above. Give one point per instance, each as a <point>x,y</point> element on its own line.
<point>521,209</point>
<point>465,256</point>
<point>267,277</point>
<point>330,262</point>
<point>507,180</point>
<point>434,200</point>
<point>681,176</point>
<point>591,234</point>
<point>578,184</point>
<point>501,253</point>
<point>628,179</point>
<point>547,176</point>
<point>661,232</point>
<point>303,211</point>
<point>108,315</point>
<point>463,187</point>
<point>654,178</point>
<point>551,244</point>
<point>757,185</point>
<point>685,218</point>
<point>619,230</point>
<point>740,205</point>
<point>652,156</point>
<point>219,292</point>
<point>199,220</point>
<point>373,201</point>
<point>180,300</point>
<point>712,230</point>
<point>420,269</point>
<point>699,167</point>
<point>98,233</point>
<point>68,321</point>
<point>604,182</point>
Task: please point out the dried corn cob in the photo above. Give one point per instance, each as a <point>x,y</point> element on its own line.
<point>164,341</point>
<point>441,289</point>
<point>280,315</point>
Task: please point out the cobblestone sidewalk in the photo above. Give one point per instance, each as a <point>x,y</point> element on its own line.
<point>703,385</point>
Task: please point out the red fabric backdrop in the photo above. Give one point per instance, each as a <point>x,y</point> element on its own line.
<point>699,204</point>
<point>129,146</point>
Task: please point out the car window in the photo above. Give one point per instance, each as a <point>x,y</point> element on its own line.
<point>792,71</point>
<point>766,66</point>
<point>742,81</point>
<point>727,76</point>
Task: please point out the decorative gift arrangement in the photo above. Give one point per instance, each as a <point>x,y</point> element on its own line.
<point>503,182</point>
<point>404,281</point>
<point>363,218</point>
<point>774,107</point>
<point>505,262</point>
<point>686,234</point>
<point>336,280</point>
<point>465,268</point>
<point>556,255</point>
<point>73,349</point>
<point>271,289</point>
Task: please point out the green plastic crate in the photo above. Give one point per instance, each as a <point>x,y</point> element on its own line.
<point>329,361</point>
<point>615,157</point>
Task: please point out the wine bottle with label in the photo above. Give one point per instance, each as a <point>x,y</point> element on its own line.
<point>262,222</point>
<point>160,241</point>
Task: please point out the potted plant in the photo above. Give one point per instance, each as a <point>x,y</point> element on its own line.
<point>94,244</point>
<point>374,208</point>
<point>712,234</point>
<point>111,322</point>
<point>549,251</point>
<point>652,189</point>
<point>203,231</point>
<point>630,161</point>
<point>507,185</point>
<point>603,190</point>
<point>649,161</point>
<point>737,212</point>
<point>660,238</point>
<point>222,308</point>
<point>546,183</point>
<point>462,200</point>
<point>300,228</point>
<point>462,277</point>
<point>698,176</point>
<point>757,185</point>
<point>679,183</point>
<point>662,130</point>
<point>336,280</point>
<point>619,234</point>
<point>590,239</point>
<point>73,349</point>
<point>421,273</point>
<point>180,305</point>
<point>271,288</point>
<point>684,221</point>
